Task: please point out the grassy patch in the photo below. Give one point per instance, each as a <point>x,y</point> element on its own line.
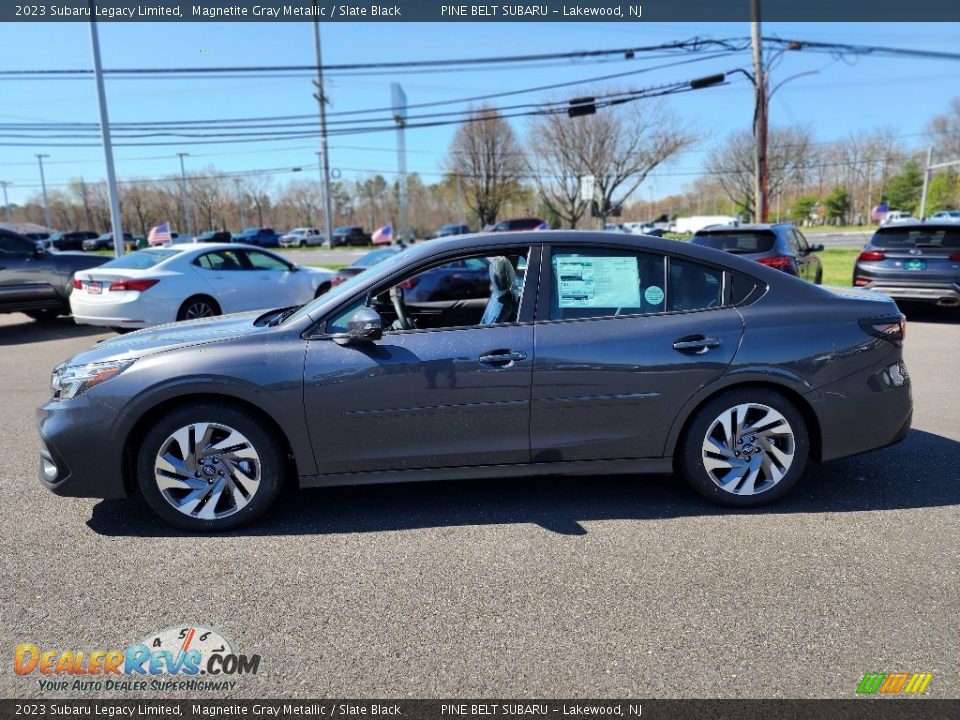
<point>838,265</point>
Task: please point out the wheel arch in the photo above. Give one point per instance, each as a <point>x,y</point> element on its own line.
<point>139,429</point>
<point>792,394</point>
<point>198,296</point>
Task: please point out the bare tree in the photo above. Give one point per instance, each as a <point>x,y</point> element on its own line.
<point>486,156</point>
<point>788,152</point>
<point>943,132</point>
<point>618,146</point>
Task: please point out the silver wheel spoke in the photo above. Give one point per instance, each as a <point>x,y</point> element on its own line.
<point>748,449</point>
<point>207,470</point>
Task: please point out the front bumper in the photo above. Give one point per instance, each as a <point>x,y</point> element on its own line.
<point>81,448</point>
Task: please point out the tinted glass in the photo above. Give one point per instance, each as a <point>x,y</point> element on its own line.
<point>917,237</point>
<point>602,283</point>
<point>753,241</point>
<point>13,245</point>
<point>262,261</point>
<point>525,224</point>
<point>141,260</point>
<point>694,286</point>
<point>220,260</point>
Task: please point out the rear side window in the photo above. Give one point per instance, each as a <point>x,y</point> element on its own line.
<point>694,286</point>
<point>605,282</point>
<point>220,260</point>
<point>756,241</point>
<point>917,237</point>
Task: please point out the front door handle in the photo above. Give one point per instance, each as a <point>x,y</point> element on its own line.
<point>501,357</point>
<point>697,343</point>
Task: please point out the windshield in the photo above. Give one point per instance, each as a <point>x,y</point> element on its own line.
<point>902,237</point>
<point>738,242</point>
<point>142,259</point>
<point>346,288</point>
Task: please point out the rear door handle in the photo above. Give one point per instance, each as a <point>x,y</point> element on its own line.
<point>501,357</point>
<point>697,343</point>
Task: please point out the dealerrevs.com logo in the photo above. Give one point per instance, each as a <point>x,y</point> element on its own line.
<point>183,657</point>
<point>894,683</point>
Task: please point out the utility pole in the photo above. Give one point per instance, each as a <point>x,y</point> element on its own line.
<point>399,101</point>
<point>183,194</point>
<point>325,162</point>
<point>116,219</point>
<point>459,201</point>
<point>243,219</point>
<point>926,183</point>
<point>6,203</point>
<point>43,184</point>
<point>759,118</point>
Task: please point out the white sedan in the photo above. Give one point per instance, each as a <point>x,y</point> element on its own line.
<point>189,281</point>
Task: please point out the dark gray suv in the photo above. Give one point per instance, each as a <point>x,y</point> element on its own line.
<point>778,245</point>
<point>913,261</point>
<point>592,353</point>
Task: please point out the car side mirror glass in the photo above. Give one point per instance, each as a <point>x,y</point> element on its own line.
<point>816,248</point>
<point>364,326</point>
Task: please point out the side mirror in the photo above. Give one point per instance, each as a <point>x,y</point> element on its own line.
<point>364,326</point>
<point>816,248</point>
<point>39,251</point>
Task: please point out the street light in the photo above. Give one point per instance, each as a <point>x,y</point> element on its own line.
<point>43,184</point>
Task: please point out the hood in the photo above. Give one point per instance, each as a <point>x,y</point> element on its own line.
<point>162,338</point>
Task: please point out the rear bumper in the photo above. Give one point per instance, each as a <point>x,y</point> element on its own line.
<point>926,292</point>
<point>864,411</point>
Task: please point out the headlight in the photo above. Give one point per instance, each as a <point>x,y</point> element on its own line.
<point>68,381</point>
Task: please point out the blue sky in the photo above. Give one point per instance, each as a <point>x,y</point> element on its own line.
<point>844,96</point>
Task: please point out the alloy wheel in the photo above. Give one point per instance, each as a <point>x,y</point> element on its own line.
<point>197,310</point>
<point>748,449</point>
<point>207,471</point>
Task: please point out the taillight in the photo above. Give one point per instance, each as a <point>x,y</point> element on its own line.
<point>872,255</point>
<point>131,284</point>
<point>954,256</point>
<point>782,263</point>
<point>409,283</point>
<point>77,285</point>
<point>859,282</point>
<point>892,328</point>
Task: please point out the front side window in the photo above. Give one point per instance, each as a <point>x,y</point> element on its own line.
<point>263,261</point>
<point>12,245</point>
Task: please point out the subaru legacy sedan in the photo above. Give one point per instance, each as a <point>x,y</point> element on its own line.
<point>609,354</point>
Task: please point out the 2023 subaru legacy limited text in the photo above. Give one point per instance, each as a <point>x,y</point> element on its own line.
<point>35,281</point>
<point>608,354</point>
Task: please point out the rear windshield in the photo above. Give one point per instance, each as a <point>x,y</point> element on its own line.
<point>525,224</point>
<point>142,259</point>
<point>756,241</point>
<point>894,237</point>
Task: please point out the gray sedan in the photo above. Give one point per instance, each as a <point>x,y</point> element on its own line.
<point>609,354</point>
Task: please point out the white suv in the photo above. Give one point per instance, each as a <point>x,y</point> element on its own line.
<point>302,237</point>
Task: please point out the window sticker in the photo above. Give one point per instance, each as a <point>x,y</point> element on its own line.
<point>653,295</point>
<point>604,282</point>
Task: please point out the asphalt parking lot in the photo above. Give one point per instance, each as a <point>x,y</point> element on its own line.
<point>542,588</point>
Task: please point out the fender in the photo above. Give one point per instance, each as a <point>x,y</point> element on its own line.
<point>733,378</point>
<point>228,386</point>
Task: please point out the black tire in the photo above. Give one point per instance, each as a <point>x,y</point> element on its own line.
<point>303,243</point>
<point>690,462</point>
<point>192,306</point>
<point>324,287</point>
<point>266,445</point>
<point>44,316</point>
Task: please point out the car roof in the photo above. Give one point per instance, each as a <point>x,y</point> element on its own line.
<point>184,247</point>
<point>748,227</point>
<point>580,237</point>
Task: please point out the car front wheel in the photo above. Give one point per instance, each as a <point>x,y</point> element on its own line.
<point>209,467</point>
<point>745,448</point>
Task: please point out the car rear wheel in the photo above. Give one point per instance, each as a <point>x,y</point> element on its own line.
<point>303,243</point>
<point>209,467</point>
<point>745,448</point>
<point>196,307</point>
